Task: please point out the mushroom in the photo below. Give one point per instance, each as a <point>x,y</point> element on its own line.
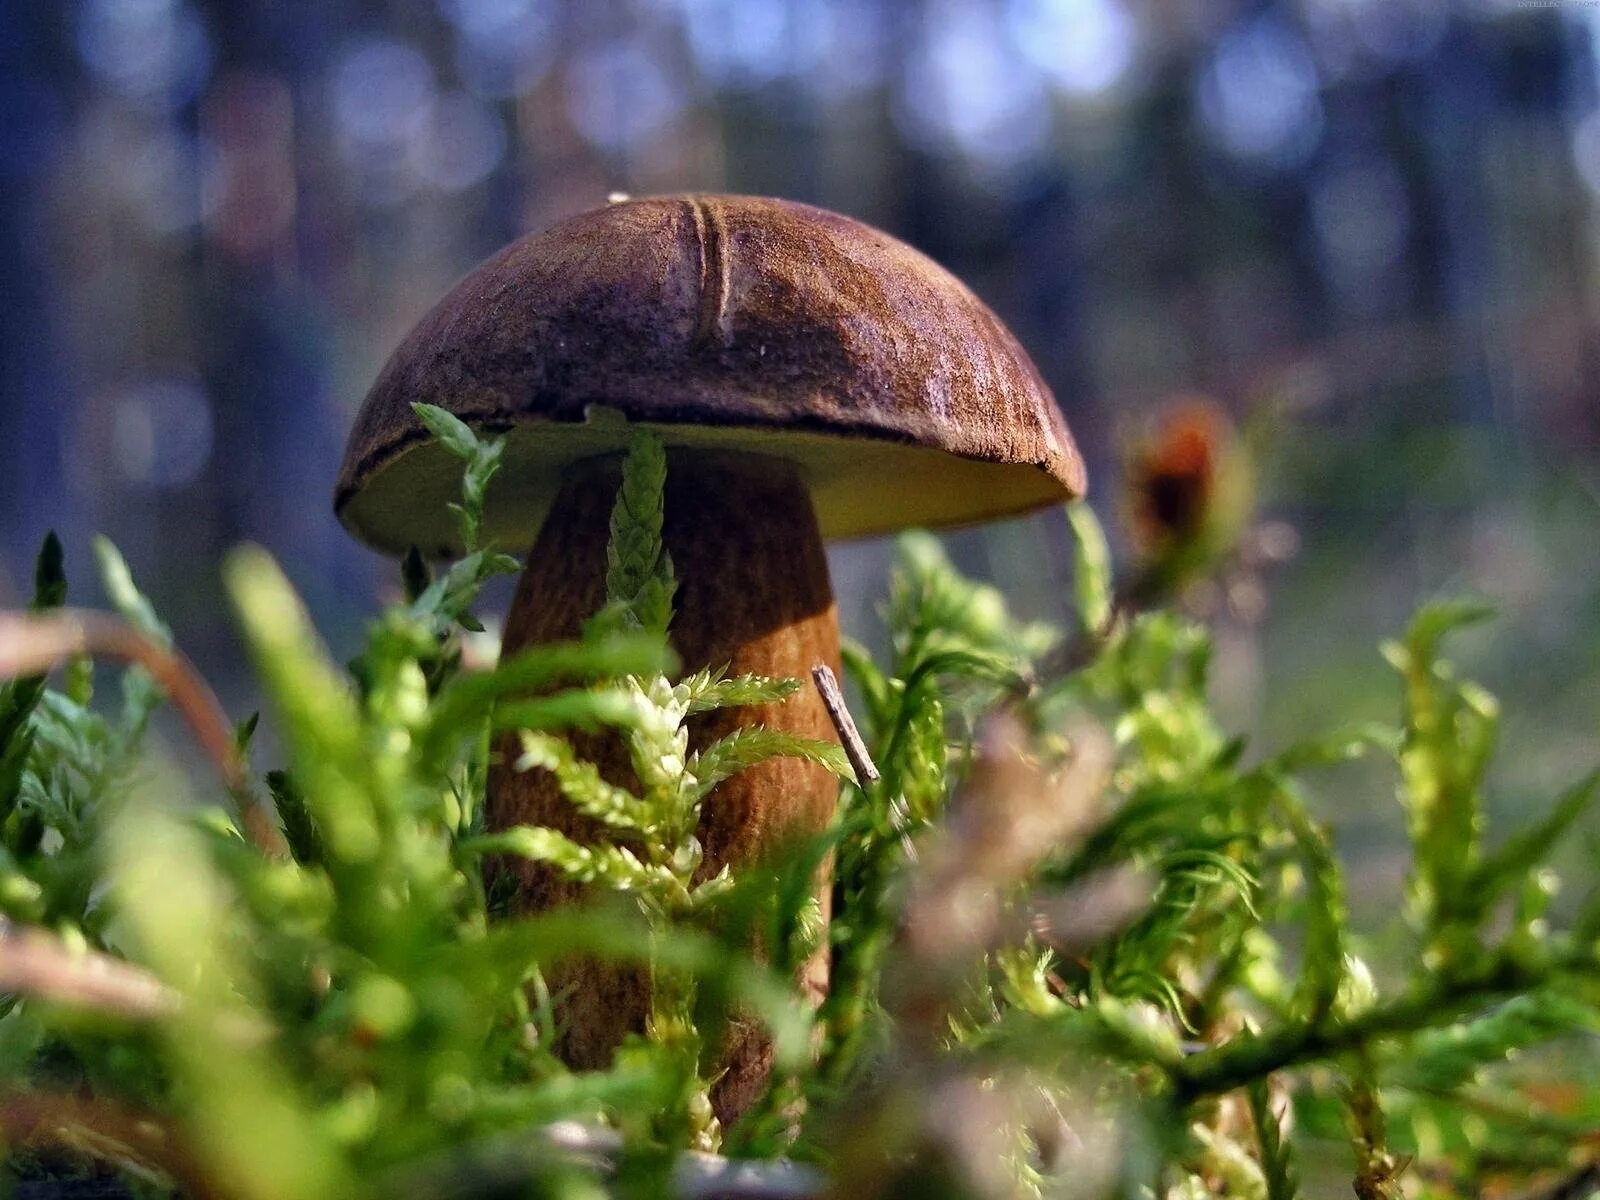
<point>811,377</point>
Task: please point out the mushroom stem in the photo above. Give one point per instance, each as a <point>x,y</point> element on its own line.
<point>753,596</point>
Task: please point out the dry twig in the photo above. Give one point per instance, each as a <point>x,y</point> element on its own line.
<point>41,965</point>
<point>34,643</point>
<point>849,736</point>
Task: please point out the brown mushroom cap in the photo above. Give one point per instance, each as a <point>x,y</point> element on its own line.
<point>723,322</point>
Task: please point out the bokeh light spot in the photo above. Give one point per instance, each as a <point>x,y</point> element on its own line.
<point>1084,46</point>
<point>460,146</point>
<point>1361,217</point>
<point>740,41</point>
<point>154,53</point>
<point>503,46</point>
<point>968,90</point>
<point>618,95</point>
<point>1259,95</point>
<point>162,433</point>
<point>382,91</point>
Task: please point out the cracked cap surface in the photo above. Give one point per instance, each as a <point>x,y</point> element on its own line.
<point>725,322</point>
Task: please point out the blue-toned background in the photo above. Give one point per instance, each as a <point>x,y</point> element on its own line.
<point>1376,217</point>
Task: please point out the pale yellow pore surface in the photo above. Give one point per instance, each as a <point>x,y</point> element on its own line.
<point>859,485</point>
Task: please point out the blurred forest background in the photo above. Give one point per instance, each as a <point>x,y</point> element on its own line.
<point>1374,219</point>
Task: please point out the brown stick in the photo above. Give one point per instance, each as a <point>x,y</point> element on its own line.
<point>34,643</point>
<point>849,736</point>
<point>39,964</point>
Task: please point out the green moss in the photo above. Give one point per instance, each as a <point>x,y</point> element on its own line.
<point>1151,960</point>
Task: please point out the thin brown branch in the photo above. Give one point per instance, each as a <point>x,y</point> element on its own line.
<point>37,964</point>
<point>839,713</point>
<point>40,965</point>
<point>34,643</point>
